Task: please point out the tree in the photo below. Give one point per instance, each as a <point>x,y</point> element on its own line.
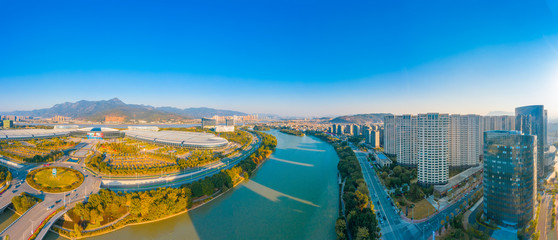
<point>9,176</point>
<point>77,230</point>
<point>362,234</point>
<point>341,229</point>
<point>362,200</point>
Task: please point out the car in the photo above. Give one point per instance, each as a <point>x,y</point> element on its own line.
<point>59,200</point>
<point>384,217</point>
<point>50,207</point>
<point>14,191</point>
<point>67,194</point>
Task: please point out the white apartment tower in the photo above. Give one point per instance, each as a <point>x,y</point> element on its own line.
<point>432,148</point>
<point>389,134</point>
<point>464,140</point>
<point>406,139</point>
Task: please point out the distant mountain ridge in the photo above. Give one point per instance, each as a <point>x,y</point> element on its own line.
<point>361,118</point>
<point>98,110</point>
<point>200,112</point>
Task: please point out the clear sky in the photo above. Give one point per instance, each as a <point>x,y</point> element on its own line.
<point>294,58</point>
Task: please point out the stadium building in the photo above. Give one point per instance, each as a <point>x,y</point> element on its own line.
<point>195,140</point>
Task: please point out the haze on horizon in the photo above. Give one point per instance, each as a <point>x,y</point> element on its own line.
<point>292,58</point>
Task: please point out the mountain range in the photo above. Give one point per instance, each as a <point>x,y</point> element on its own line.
<point>360,118</point>
<point>98,110</point>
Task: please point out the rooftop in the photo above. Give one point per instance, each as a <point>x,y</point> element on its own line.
<point>32,133</point>
<point>204,140</point>
<point>458,178</point>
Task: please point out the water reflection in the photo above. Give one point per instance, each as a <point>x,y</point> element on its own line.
<point>307,149</point>
<point>273,195</point>
<point>292,162</point>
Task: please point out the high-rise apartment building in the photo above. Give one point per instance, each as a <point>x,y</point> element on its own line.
<point>375,138</point>
<point>356,130</point>
<point>349,129</point>
<point>389,134</point>
<point>464,140</point>
<point>531,120</point>
<point>340,129</point>
<point>334,128</point>
<point>509,181</point>
<point>432,148</point>
<point>406,140</point>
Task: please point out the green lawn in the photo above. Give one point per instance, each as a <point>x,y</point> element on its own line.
<point>64,177</point>
<point>422,210</point>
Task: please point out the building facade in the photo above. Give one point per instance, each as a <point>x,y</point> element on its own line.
<point>464,140</point>
<point>208,122</point>
<point>531,120</point>
<point>406,140</point>
<point>389,134</point>
<point>510,181</point>
<point>340,129</point>
<point>432,148</point>
<point>356,130</point>
<point>7,124</point>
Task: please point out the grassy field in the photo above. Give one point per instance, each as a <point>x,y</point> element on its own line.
<point>64,177</point>
<point>422,209</point>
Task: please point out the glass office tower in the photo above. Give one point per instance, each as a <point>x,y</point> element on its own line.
<point>531,120</point>
<point>510,181</point>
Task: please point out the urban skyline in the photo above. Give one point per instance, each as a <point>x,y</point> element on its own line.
<point>314,63</point>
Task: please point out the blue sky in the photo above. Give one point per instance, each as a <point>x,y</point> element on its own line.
<point>301,58</point>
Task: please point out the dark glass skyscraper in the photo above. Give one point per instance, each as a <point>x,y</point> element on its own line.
<point>531,120</point>
<point>510,181</point>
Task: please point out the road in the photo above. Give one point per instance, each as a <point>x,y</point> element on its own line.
<point>393,227</point>
<point>24,226</point>
<point>542,222</point>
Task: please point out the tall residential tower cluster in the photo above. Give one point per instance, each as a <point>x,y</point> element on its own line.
<point>435,142</point>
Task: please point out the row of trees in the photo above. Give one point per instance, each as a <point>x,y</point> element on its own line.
<point>241,137</point>
<point>360,220</point>
<point>53,143</point>
<point>269,142</point>
<point>51,157</point>
<point>198,158</point>
<point>292,132</point>
<point>261,128</point>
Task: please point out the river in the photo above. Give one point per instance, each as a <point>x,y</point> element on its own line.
<point>292,196</point>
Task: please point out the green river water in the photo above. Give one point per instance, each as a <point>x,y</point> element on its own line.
<point>292,196</point>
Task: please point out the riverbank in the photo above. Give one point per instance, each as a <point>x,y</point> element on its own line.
<point>146,222</point>
<point>246,166</point>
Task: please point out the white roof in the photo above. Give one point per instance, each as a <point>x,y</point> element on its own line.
<point>32,133</point>
<point>178,137</point>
